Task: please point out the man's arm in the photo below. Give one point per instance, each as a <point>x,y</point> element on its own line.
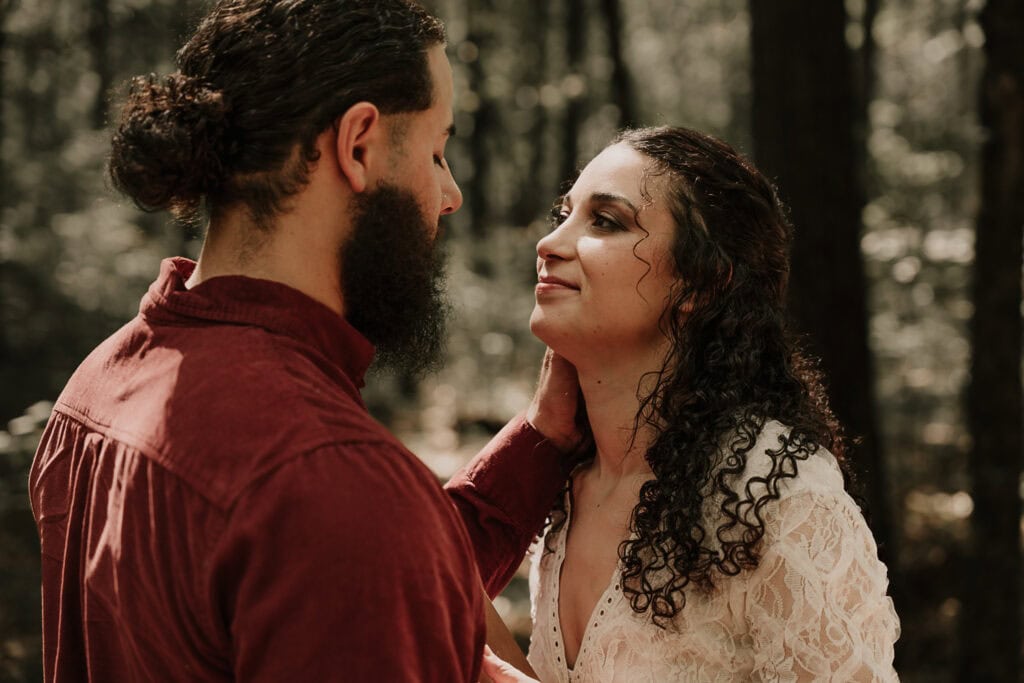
<point>506,492</point>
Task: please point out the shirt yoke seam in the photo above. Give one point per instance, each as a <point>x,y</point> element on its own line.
<point>153,455</point>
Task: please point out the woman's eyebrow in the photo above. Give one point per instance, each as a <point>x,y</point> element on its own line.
<point>609,197</point>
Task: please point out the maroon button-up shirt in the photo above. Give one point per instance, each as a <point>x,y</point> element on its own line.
<point>216,504</point>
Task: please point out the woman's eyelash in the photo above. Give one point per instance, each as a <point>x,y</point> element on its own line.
<point>600,221</point>
<point>558,215</point>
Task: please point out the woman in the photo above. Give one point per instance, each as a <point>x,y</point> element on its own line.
<point>709,537</point>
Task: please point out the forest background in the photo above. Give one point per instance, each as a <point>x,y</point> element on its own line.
<point>895,130</point>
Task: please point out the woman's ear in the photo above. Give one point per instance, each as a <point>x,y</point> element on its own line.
<point>357,144</point>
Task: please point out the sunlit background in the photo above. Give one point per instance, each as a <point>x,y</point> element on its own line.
<point>535,96</point>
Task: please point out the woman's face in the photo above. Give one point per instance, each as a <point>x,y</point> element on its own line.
<point>605,271</point>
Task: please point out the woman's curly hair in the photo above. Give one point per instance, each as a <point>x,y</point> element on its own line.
<point>733,364</point>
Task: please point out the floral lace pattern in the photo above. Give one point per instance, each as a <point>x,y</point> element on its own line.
<point>815,608</point>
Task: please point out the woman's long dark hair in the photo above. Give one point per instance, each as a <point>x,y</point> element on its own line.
<point>732,365</point>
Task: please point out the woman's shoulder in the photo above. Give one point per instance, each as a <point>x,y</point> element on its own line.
<point>778,453</point>
<point>778,467</point>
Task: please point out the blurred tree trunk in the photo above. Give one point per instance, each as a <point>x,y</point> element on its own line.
<point>864,87</point>
<point>622,85</point>
<point>479,15</point>
<point>5,9</point>
<point>536,192</point>
<point>5,347</point>
<point>575,41</point>
<point>804,114</point>
<point>98,36</point>
<point>991,622</point>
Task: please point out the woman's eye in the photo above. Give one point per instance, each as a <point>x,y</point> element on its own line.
<point>603,222</point>
<point>439,160</point>
<point>558,216</point>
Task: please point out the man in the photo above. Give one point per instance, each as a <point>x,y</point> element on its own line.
<point>213,500</point>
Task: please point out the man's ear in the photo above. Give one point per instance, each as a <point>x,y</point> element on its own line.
<point>358,144</point>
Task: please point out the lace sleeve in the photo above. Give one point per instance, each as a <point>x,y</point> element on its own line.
<point>816,604</point>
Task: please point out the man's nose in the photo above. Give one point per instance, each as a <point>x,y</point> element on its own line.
<point>451,197</point>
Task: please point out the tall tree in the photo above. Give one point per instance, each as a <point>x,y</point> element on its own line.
<point>5,9</point>
<point>98,37</point>
<point>480,17</point>
<point>575,43</point>
<point>622,85</point>
<point>536,190</point>
<point>991,623</point>
<point>804,114</point>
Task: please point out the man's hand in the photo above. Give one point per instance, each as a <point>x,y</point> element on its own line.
<point>553,411</point>
<point>500,671</point>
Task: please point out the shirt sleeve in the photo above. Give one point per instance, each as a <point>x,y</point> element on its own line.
<point>504,495</point>
<point>817,607</point>
<point>349,564</point>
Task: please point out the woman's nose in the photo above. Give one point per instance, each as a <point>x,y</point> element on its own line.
<point>555,244</point>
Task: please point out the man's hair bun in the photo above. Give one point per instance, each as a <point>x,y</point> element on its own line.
<point>169,147</point>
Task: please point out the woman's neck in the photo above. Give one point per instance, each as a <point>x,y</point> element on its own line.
<point>612,392</point>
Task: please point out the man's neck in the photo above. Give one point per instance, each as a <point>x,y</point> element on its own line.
<point>292,251</point>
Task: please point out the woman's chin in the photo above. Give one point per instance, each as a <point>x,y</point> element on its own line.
<point>554,337</point>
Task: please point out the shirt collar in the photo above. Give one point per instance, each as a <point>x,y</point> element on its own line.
<point>271,305</point>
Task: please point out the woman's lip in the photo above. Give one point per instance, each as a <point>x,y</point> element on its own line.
<point>552,283</point>
<point>547,287</point>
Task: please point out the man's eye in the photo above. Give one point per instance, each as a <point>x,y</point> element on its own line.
<point>439,160</point>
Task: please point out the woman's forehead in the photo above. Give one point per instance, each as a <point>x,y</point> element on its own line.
<point>618,163</point>
<point>620,170</point>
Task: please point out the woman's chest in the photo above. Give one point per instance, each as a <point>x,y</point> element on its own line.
<point>589,562</point>
<point>616,644</point>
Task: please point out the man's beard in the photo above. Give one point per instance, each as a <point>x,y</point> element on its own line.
<point>393,280</point>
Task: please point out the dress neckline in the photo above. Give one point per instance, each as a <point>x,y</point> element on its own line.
<point>597,614</point>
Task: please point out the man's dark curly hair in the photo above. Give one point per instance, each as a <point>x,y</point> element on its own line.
<point>256,84</point>
<point>732,366</point>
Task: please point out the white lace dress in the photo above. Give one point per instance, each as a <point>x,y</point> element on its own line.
<point>815,609</point>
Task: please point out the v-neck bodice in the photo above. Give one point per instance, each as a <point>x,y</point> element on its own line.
<point>601,608</point>
<point>818,567</point>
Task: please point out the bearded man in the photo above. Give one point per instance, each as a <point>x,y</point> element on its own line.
<point>213,499</point>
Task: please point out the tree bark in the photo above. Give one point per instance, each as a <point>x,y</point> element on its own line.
<point>536,190</point>
<point>479,14</point>
<point>98,36</point>
<point>991,622</point>
<point>622,84</point>
<point>575,37</point>
<point>5,8</point>
<point>804,120</point>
